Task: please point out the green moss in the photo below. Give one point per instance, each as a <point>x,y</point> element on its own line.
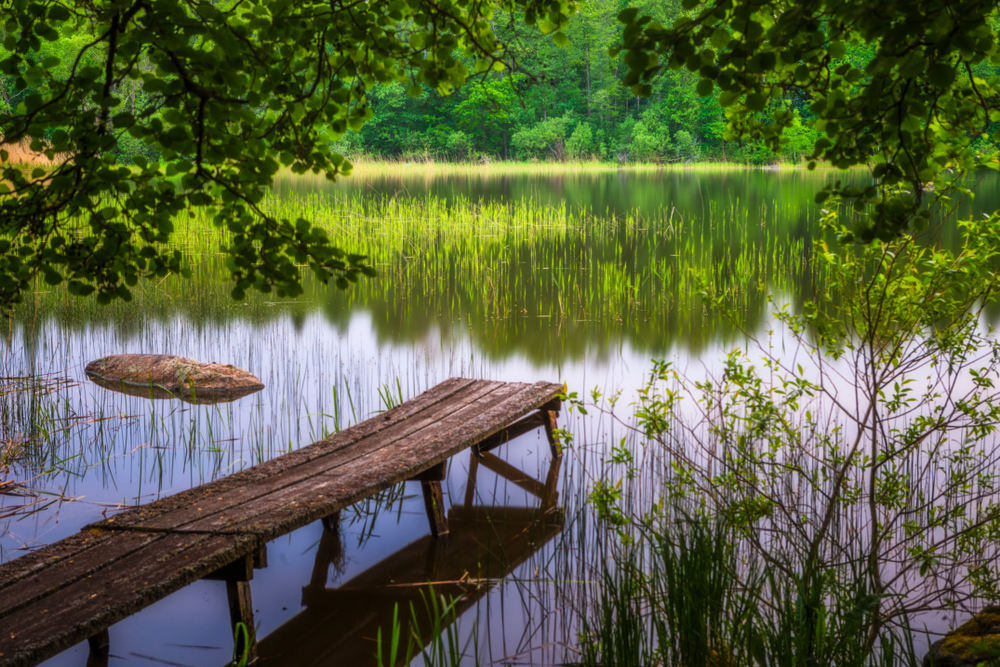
<point>971,639</point>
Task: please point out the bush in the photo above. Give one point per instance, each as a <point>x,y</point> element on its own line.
<point>459,146</point>
<point>858,458</point>
<point>544,140</point>
<point>647,142</point>
<point>686,146</point>
<point>580,145</point>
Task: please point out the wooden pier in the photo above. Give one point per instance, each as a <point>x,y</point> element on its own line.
<point>74,589</point>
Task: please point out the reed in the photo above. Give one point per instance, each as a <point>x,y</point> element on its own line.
<point>512,268</point>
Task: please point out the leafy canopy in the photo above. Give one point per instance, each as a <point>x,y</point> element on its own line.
<point>913,112</point>
<point>233,90</point>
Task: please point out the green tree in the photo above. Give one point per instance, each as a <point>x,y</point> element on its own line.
<point>234,91</point>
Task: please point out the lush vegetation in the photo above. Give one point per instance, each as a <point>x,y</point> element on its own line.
<point>207,100</point>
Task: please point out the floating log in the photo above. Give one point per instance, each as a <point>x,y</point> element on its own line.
<point>162,376</point>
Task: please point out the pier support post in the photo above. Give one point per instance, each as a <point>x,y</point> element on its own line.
<point>551,494</point>
<point>430,482</point>
<point>100,649</point>
<point>550,413</point>
<point>434,504</point>
<point>241,611</point>
<point>237,576</point>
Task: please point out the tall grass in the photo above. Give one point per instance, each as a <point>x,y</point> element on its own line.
<point>545,280</point>
<point>685,594</point>
<point>372,165</point>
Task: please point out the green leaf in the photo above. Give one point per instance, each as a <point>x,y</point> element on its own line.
<point>705,87</point>
<point>560,39</point>
<point>941,75</point>
<point>628,15</point>
<point>756,102</point>
<point>720,38</point>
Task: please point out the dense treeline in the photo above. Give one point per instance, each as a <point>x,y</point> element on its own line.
<point>556,102</point>
<point>555,99</point>
<point>562,102</point>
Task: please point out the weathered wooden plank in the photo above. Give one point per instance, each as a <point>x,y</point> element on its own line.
<point>24,566</point>
<point>291,507</point>
<point>281,505</point>
<point>302,456</point>
<point>96,553</point>
<point>85,607</point>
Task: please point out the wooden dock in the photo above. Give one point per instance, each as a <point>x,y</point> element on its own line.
<point>75,589</point>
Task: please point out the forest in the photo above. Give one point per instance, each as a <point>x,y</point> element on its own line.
<point>559,96</point>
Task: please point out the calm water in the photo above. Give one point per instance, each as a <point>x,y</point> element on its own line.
<point>327,361</point>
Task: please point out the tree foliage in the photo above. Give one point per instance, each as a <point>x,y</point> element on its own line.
<point>233,91</point>
<point>911,103</point>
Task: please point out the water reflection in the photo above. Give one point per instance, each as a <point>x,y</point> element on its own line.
<point>158,393</point>
<point>484,546</point>
<point>329,356</point>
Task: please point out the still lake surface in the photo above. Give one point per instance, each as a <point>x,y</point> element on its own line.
<point>331,359</point>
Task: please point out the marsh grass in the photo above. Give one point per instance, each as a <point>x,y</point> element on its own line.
<point>685,593</point>
<point>546,280</point>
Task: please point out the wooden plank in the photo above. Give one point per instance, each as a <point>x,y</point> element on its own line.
<point>236,497</point>
<point>289,506</point>
<point>305,455</point>
<point>85,607</point>
<point>99,552</point>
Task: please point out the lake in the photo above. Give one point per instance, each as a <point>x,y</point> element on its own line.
<point>578,277</point>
